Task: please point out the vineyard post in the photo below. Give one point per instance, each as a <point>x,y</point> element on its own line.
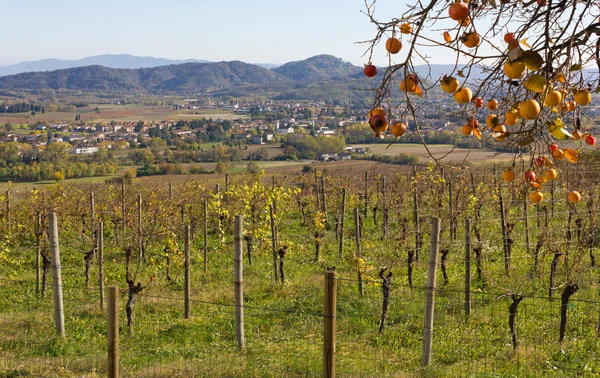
<point>552,198</point>
<point>468,266</point>
<point>385,209</point>
<point>59,314</point>
<point>329,323</point>
<point>431,287</point>
<point>273,243</point>
<point>366,210</point>
<point>92,217</point>
<point>187,263</point>
<point>502,223</point>
<point>205,247</point>
<point>123,205</point>
<point>221,223</point>
<point>8,215</point>
<point>113,332</point>
<point>274,198</point>
<point>416,215</point>
<point>226,187</point>
<point>38,251</point>
<point>451,211</point>
<point>238,237</point>
<point>323,196</point>
<point>342,216</point>
<point>101,262</point>
<point>140,241</point>
<point>170,192</point>
<point>526,207</point>
<point>317,190</point>
<point>357,241</point>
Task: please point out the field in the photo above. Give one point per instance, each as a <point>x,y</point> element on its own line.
<point>448,153</point>
<point>119,113</point>
<point>284,322</point>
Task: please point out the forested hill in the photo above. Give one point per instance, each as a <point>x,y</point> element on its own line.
<point>181,78</point>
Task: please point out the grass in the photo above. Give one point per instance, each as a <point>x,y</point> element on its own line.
<point>284,322</point>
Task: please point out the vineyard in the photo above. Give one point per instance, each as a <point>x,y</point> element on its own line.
<point>529,307</point>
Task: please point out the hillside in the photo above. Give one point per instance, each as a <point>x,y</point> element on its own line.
<point>316,68</point>
<point>181,78</point>
<point>108,60</point>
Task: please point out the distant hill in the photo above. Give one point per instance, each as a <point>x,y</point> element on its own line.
<point>316,68</point>
<point>320,78</point>
<point>110,61</point>
<point>179,78</point>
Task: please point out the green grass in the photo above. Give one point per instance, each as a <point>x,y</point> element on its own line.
<point>284,331</point>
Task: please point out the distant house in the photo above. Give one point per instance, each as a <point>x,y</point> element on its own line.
<point>285,130</point>
<point>257,139</point>
<point>345,156</point>
<point>85,150</point>
<point>328,156</point>
<point>325,131</point>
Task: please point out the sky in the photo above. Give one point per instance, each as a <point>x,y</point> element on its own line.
<point>258,31</point>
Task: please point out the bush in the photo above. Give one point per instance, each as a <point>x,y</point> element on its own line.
<point>307,168</point>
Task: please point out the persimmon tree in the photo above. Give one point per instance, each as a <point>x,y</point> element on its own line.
<point>538,62</point>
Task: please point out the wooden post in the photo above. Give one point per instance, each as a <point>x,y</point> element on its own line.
<point>205,247</point>
<point>101,262</point>
<point>273,243</point>
<point>140,239</point>
<point>416,216</point>
<point>431,287</point>
<point>384,205</point>
<point>274,198</point>
<point>170,191</point>
<point>92,217</point>
<point>552,198</point>
<point>503,224</point>
<point>451,211</point>
<point>468,266</point>
<point>113,332</point>
<point>357,241</point>
<point>329,323</point>
<point>323,196</point>
<point>342,216</point>
<point>221,222</point>
<point>238,237</point>
<point>187,263</point>
<point>8,215</point>
<point>38,251</point>
<point>59,314</point>
<point>317,190</point>
<point>123,205</point>
<point>526,208</point>
<point>366,209</point>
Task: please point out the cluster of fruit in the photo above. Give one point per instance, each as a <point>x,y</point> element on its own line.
<point>379,123</point>
<point>549,173</point>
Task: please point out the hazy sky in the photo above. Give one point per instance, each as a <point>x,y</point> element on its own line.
<point>259,31</point>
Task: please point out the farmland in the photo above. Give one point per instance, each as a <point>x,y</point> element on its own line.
<point>283,321</point>
<point>103,113</point>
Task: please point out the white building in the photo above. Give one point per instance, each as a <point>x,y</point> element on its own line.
<point>85,150</point>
